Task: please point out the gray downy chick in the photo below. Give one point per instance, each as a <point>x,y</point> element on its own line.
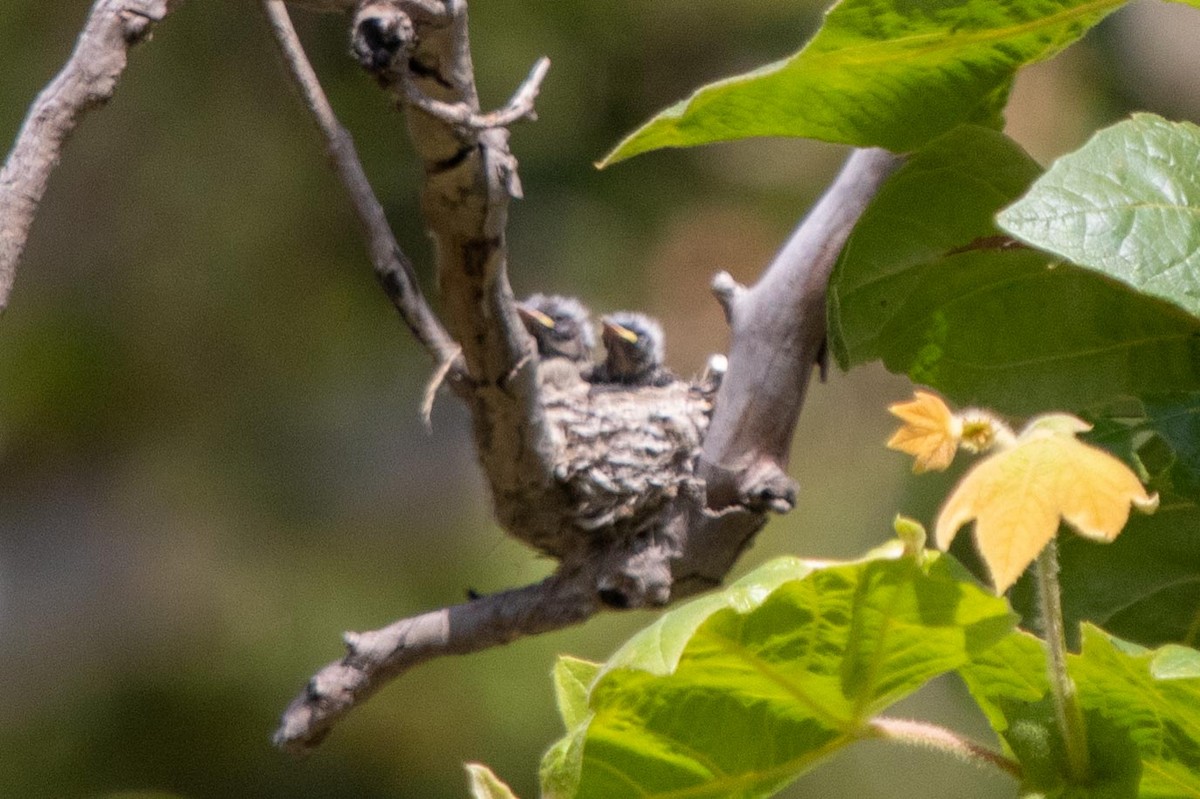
<point>634,351</point>
<point>561,326</point>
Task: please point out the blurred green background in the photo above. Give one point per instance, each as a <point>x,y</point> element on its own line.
<point>211,461</point>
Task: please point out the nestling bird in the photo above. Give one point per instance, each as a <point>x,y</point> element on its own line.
<point>634,351</point>
<point>561,326</point>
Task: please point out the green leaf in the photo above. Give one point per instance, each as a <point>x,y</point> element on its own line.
<point>486,785</point>
<point>888,73</point>
<point>1159,437</point>
<point>1159,715</point>
<point>572,680</point>
<point>738,693</point>
<point>1126,204</point>
<point>1174,662</point>
<point>927,284</point>
<point>1141,708</point>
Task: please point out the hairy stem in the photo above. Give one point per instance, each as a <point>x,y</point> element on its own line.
<point>1066,703</point>
<point>931,736</point>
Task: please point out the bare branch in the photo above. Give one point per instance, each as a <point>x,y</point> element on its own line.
<point>88,79</point>
<point>470,178</point>
<point>727,291</point>
<point>374,658</point>
<point>392,267</point>
<point>778,331</point>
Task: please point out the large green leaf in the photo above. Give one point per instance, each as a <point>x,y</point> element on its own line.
<point>736,694</point>
<point>1126,204</point>
<point>890,73</point>
<point>1141,708</point>
<point>927,284</point>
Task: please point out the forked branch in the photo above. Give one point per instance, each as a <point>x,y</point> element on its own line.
<point>726,467</point>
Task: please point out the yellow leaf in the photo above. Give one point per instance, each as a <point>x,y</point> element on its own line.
<point>930,432</point>
<point>1018,496</point>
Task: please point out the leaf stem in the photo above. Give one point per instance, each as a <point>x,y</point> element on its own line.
<point>931,736</point>
<point>1066,704</point>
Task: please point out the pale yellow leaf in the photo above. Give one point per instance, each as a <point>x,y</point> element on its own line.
<point>1018,496</point>
<point>930,432</point>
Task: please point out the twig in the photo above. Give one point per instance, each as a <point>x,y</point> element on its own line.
<point>393,269</point>
<point>374,658</point>
<point>1067,712</point>
<point>470,177</point>
<point>461,115</point>
<point>87,80</point>
<point>931,736</point>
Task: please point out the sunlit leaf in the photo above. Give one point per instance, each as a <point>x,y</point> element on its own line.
<point>572,680</point>
<point>930,432</point>
<point>1126,204</point>
<point>739,692</point>
<point>1145,585</point>
<point>486,785</point>
<point>1018,496</point>
<point>891,73</point>
<point>912,536</point>
<point>1141,710</point>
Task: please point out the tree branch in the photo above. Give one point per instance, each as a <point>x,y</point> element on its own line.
<point>668,519</point>
<point>417,48</point>
<point>703,543</point>
<point>463,116</point>
<point>88,79</point>
<point>392,267</point>
<point>374,658</point>
<point>778,334</point>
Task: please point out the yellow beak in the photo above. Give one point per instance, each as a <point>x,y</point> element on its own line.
<point>622,332</point>
<point>534,315</point>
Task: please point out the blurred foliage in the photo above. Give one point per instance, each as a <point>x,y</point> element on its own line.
<point>210,456</point>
